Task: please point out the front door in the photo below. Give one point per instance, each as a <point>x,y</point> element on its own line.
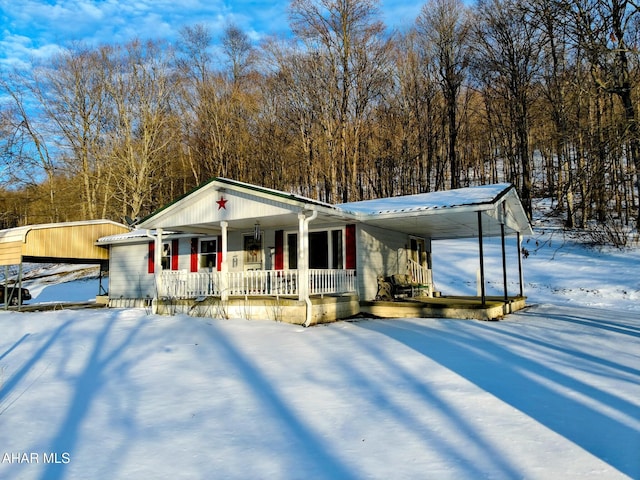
<point>252,252</point>
<point>318,250</point>
<point>419,252</point>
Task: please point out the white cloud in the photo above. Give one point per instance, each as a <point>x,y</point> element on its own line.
<point>34,29</point>
<point>21,50</point>
<point>38,28</point>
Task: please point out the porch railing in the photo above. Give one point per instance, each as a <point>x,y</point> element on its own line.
<point>331,281</point>
<point>419,274</point>
<point>183,284</point>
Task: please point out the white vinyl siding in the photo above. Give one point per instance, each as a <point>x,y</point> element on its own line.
<point>128,277</point>
<point>380,252</point>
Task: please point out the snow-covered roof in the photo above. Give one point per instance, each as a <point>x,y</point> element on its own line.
<point>138,234</point>
<point>447,214</point>
<point>435,215</point>
<point>469,196</point>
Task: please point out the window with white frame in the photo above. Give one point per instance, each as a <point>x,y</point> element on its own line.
<point>165,260</point>
<point>208,253</point>
<point>326,249</point>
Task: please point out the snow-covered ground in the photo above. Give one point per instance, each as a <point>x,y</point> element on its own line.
<point>552,391</point>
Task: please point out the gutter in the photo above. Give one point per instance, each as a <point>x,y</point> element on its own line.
<point>154,300</point>
<point>307,299</point>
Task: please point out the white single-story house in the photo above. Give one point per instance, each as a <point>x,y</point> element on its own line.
<point>233,249</point>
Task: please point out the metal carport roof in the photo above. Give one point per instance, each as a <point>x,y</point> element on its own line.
<point>447,214</point>
<point>67,242</point>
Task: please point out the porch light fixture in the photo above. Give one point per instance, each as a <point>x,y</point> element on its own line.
<point>256,231</point>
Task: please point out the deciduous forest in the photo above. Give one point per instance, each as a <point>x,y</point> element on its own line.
<point>539,93</point>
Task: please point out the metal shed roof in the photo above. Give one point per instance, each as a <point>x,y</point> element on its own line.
<point>67,242</point>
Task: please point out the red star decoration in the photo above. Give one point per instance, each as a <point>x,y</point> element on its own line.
<point>222,203</point>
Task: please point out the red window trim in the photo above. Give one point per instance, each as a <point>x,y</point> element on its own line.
<point>278,262</point>
<point>151,258</point>
<point>193,264</point>
<point>350,240</point>
<point>174,254</point>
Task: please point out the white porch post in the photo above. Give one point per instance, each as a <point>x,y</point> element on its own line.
<point>303,258</point>
<point>224,266</point>
<point>158,261</point>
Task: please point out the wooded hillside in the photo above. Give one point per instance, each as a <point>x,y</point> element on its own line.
<point>542,93</point>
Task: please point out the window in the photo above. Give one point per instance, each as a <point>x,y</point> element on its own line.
<point>336,249</point>
<point>325,249</point>
<point>166,256</point>
<point>292,250</point>
<point>208,254</point>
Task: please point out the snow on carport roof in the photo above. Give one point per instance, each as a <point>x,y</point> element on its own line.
<point>447,214</point>
<point>426,201</point>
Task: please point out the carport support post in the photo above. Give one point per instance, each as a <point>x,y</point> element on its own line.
<point>504,265</point>
<point>6,286</point>
<point>520,265</point>
<point>483,295</point>
<point>19,286</point>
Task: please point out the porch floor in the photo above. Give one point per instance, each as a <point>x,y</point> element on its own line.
<point>462,307</point>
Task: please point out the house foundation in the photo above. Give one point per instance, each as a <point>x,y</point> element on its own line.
<point>468,308</point>
<point>324,309</point>
<point>329,308</point>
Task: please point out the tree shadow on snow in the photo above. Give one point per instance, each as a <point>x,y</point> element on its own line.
<point>27,368</point>
<point>561,402</point>
<point>306,452</point>
<point>433,428</point>
<point>104,365</point>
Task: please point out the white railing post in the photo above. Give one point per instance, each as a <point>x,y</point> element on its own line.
<point>224,269</point>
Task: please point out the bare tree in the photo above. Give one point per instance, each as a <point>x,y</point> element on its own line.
<point>239,52</point>
<point>218,106</point>
<point>194,67</point>
<point>140,89</point>
<point>444,26</point>
<point>26,153</point>
<point>506,59</point>
<point>607,32</point>
<point>71,90</point>
<point>345,41</point>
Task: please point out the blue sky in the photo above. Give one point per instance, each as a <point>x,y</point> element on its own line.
<point>38,28</point>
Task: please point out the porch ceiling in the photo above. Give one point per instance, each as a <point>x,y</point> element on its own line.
<point>288,221</point>
<point>449,225</point>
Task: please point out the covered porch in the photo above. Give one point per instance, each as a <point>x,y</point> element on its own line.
<point>255,283</point>
<point>230,243</point>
